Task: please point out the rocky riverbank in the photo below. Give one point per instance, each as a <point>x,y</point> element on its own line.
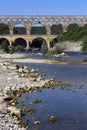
<point>14,78</point>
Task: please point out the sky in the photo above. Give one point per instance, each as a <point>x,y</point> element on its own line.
<point>43,7</point>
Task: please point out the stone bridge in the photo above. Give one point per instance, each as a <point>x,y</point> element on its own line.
<point>28,39</point>
<point>47,21</point>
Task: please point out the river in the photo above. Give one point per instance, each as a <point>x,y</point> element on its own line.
<point>68,105</point>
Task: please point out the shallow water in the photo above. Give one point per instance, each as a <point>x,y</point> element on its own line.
<point>69,105</point>
<point>70,56</point>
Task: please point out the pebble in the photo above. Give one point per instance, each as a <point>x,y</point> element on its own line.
<point>10,80</point>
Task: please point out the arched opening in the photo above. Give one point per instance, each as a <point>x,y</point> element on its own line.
<point>56,29</point>
<point>4,40</point>
<point>20,42</point>
<point>4,29</point>
<point>38,29</point>
<point>54,41</point>
<point>4,45</point>
<point>72,27</point>
<point>37,43</point>
<point>19,29</point>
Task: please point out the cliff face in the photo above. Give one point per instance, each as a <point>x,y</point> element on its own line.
<point>72,46</point>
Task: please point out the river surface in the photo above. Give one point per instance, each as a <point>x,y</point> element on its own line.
<point>68,105</point>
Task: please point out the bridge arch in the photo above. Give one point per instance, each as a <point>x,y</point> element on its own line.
<point>4,40</point>
<point>38,28</point>
<point>72,26</point>
<point>56,29</point>
<point>20,41</point>
<point>19,28</point>
<point>54,41</point>
<point>37,43</point>
<point>4,29</point>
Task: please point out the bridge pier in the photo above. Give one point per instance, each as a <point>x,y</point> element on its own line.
<point>10,43</point>
<point>28,45</point>
<point>48,45</point>
<point>48,28</point>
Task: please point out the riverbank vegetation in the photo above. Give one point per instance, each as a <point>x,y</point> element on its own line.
<point>75,33</point>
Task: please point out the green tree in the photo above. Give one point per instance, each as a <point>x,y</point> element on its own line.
<point>84,44</point>
<point>4,29</point>
<point>4,46</point>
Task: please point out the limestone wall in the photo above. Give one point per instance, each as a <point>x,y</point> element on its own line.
<point>72,46</point>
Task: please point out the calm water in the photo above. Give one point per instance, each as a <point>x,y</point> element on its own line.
<point>70,56</point>
<point>68,105</point>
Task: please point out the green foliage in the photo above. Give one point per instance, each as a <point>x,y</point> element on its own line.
<point>74,33</point>
<point>57,49</point>
<point>38,30</point>
<point>44,48</point>
<point>84,44</point>
<point>56,29</point>
<point>20,48</point>
<point>52,52</point>
<point>4,46</point>
<point>11,49</point>
<point>4,29</point>
<point>19,30</point>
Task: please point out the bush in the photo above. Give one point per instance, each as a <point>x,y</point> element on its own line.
<point>52,52</point>
<point>20,48</point>
<point>4,46</point>
<point>44,48</point>
<point>57,49</point>
<point>11,49</point>
<point>84,44</point>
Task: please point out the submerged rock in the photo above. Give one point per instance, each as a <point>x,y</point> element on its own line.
<point>54,119</point>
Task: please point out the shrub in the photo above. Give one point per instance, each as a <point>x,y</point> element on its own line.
<point>44,48</point>
<point>52,52</point>
<point>57,49</point>
<point>11,49</point>
<point>20,48</point>
<point>4,46</point>
<point>84,44</point>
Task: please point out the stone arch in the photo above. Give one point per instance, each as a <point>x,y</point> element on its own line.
<point>72,26</point>
<point>54,41</point>
<point>37,43</point>
<point>4,39</point>
<point>20,41</point>
<point>19,28</point>
<point>4,29</point>
<point>56,29</point>
<point>38,29</point>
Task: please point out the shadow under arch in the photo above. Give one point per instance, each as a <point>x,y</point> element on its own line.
<point>37,43</point>
<point>54,41</point>
<point>72,26</point>
<point>4,29</point>
<point>38,29</point>
<point>20,41</point>
<point>56,29</point>
<point>19,29</point>
<point>4,40</point>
